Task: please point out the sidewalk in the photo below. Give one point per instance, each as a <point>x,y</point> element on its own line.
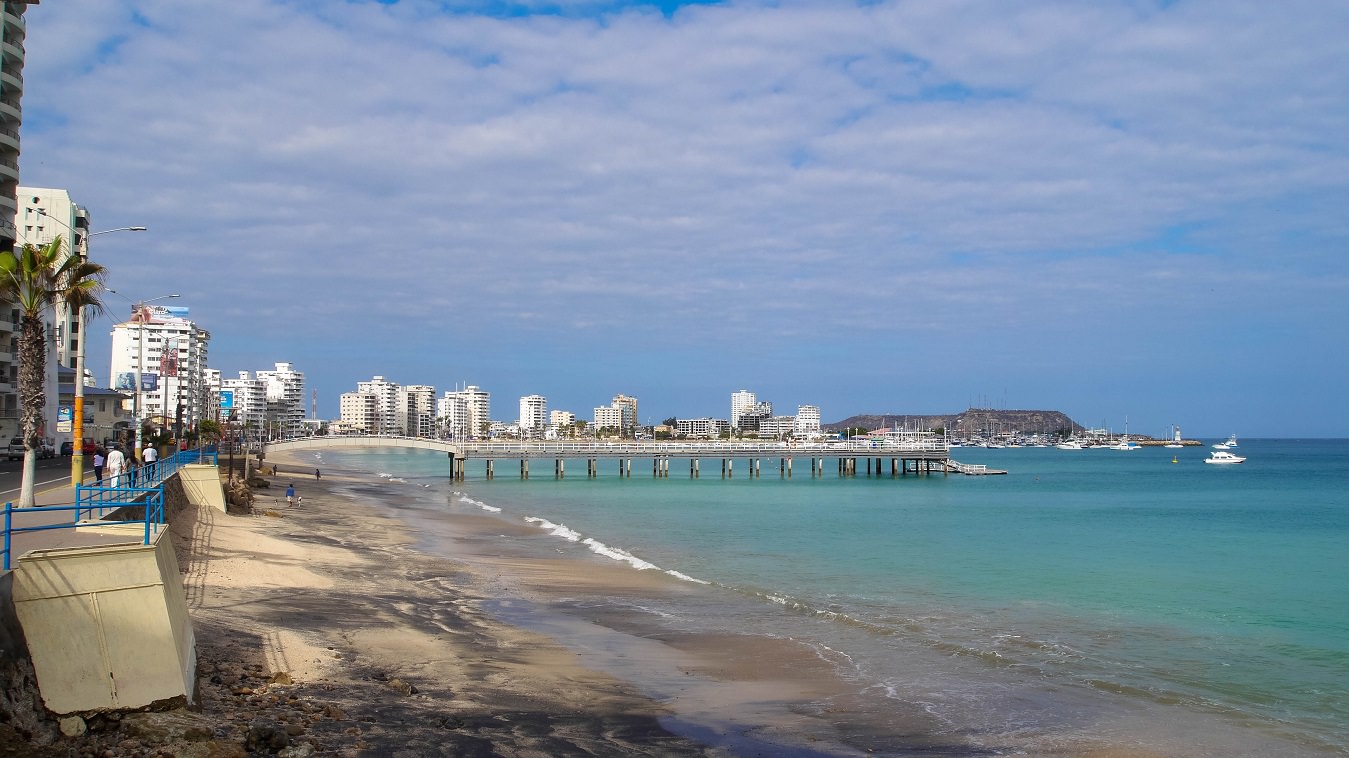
<point>48,497</point>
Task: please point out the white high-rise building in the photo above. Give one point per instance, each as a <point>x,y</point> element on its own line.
<point>609,417</point>
<point>249,415</point>
<point>360,410</point>
<point>44,214</point>
<point>387,417</point>
<point>533,415</point>
<point>285,399</point>
<point>628,405</point>
<point>807,420</point>
<point>13,29</point>
<point>452,415</point>
<point>418,402</point>
<point>465,413</point>
<point>165,353</point>
<point>741,401</point>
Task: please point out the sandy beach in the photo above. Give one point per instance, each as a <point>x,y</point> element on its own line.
<point>322,619</point>
<point>338,627</point>
<point>323,629</point>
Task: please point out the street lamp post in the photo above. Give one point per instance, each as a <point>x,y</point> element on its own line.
<point>137,402</point>
<point>77,411</point>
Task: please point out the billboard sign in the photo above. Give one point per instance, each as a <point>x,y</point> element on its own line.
<point>146,314</point>
<point>168,360</point>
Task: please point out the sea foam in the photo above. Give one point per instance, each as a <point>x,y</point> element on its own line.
<point>599,548</point>
<point>479,503</point>
<point>557,530</point>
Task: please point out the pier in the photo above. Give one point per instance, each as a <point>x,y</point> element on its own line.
<point>909,455</point>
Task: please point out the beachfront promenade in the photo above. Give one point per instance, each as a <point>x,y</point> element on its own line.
<point>67,516</point>
<point>91,593</point>
<point>918,454</point>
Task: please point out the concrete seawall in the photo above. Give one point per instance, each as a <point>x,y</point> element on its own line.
<point>101,627</point>
<point>107,627</point>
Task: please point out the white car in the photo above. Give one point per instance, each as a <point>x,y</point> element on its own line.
<point>17,448</point>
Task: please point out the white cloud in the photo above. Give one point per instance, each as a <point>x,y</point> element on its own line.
<point>376,172</point>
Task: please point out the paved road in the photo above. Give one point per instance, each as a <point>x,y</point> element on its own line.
<point>50,472</point>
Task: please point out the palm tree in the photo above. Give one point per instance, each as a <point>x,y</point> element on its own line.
<point>36,279</point>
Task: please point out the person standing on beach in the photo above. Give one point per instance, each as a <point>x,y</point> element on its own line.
<point>115,462</point>
<point>99,459</point>
<point>290,496</point>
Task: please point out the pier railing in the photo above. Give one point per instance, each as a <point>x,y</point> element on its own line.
<point>601,449</point>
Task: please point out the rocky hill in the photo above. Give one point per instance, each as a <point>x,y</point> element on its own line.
<point>974,420</point>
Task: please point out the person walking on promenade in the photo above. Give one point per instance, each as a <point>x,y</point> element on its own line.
<point>290,496</point>
<point>100,457</point>
<point>115,462</point>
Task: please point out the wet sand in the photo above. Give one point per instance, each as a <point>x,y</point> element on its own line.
<point>427,655</point>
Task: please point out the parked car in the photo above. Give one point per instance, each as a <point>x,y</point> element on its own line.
<point>46,449</point>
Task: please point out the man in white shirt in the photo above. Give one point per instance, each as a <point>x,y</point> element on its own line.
<point>114,465</point>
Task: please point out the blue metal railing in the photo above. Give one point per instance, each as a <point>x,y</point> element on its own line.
<point>142,488</point>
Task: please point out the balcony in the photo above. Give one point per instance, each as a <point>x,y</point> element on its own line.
<point>12,82</point>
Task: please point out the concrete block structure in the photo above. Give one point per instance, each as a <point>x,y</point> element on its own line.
<point>107,626</point>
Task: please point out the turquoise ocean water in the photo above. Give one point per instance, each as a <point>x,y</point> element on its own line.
<point>1088,595</point>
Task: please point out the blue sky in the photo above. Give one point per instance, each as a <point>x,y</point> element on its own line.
<point>1113,209</point>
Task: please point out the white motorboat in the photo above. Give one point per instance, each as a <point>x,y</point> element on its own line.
<point>1223,457</point>
<point>1124,443</point>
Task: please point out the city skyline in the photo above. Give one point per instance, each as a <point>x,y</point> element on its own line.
<point>1116,211</point>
